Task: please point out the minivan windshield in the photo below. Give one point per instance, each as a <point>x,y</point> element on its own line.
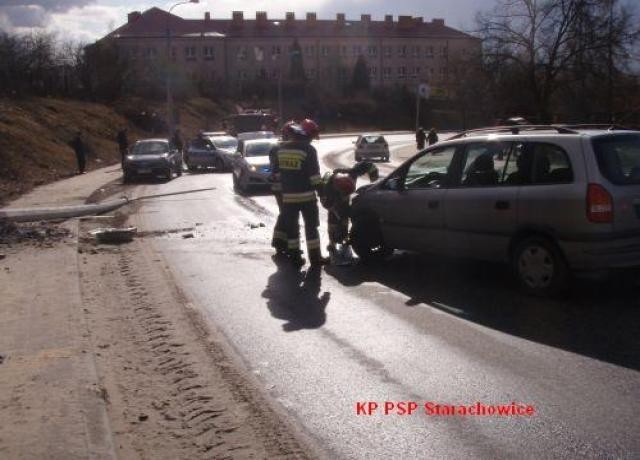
<point>150,148</point>
<point>619,158</point>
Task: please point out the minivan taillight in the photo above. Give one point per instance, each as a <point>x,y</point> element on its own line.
<point>599,204</point>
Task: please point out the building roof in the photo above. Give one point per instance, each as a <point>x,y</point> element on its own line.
<point>155,22</point>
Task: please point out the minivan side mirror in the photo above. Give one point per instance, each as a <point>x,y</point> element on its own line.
<point>394,184</point>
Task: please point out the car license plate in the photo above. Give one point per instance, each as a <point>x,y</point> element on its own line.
<point>144,170</point>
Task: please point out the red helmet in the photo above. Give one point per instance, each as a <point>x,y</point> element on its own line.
<point>288,130</point>
<point>344,184</point>
<point>310,128</point>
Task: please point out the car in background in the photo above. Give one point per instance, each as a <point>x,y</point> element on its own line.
<point>551,201</point>
<point>152,158</point>
<point>252,168</point>
<point>211,151</point>
<point>370,146</point>
<point>256,135</point>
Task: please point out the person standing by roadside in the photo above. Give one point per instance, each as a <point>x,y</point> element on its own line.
<point>420,138</point>
<point>123,145</point>
<point>176,140</point>
<point>433,136</point>
<point>79,148</point>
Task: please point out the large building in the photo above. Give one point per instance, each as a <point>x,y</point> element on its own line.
<point>406,51</point>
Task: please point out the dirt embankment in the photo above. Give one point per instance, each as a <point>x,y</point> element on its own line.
<point>35,134</point>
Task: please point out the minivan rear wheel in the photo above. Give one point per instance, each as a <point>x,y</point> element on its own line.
<point>540,267</point>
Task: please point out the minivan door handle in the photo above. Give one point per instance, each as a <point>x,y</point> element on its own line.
<point>433,204</point>
<point>502,205</point>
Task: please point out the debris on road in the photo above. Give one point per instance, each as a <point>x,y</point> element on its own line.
<point>187,235</point>
<point>113,235</point>
<point>39,233</point>
<point>253,226</point>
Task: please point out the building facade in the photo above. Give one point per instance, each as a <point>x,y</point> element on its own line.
<point>406,51</point>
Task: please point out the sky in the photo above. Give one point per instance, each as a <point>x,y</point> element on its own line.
<point>88,20</point>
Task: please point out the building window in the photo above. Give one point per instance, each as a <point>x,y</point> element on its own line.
<point>415,72</point>
<point>443,51</point>
<point>343,51</point>
<point>443,73</point>
<point>415,51</point>
<point>242,53</point>
<point>133,52</point>
<point>372,51</point>
<point>342,73</point>
<point>242,75</point>
<point>357,50</point>
<point>402,72</point>
<point>276,51</point>
<point>387,51</point>
<point>428,52</point>
<point>373,72</point>
<point>209,53</point>
<point>190,53</point>
<point>150,53</point>
<point>402,51</point>
<point>174,53</point>
<point>309,50</point>
<point>386,73</point>
<point>324,50</point>
<point>310,73</point>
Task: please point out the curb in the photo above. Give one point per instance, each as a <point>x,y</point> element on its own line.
<point>61,212</point>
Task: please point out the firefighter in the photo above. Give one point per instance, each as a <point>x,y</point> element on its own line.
<point>338,187</point>
<point>279,240</point>
<point>296,163</point>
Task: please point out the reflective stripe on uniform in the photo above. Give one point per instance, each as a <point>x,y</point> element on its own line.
<point>298,197</point>
<point>315,180</point>
<point>293,244</point>
<point>313,244</point>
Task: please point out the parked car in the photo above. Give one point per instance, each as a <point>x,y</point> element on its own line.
<point>256,135</point>
<point>211,151</point>
<point>252,166</point>
<point>550,201</point>
<point>152,157</point>
<point>371,146</point>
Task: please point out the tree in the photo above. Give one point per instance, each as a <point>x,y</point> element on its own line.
<point>539,41</point>
<point>360,80</point>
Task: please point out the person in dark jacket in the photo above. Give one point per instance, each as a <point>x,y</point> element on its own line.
<point>176,140</point>
<point>123,144</point>
<point>80,150</point>
<point>421,137</point>
<point>433,136</point>
<point>296,164</point>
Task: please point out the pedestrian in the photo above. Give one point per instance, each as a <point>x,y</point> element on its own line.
<point>296,164</point>
<point>420,138</point>
<point>80,150</point>
<point>433,136</point>
<point>123,145</point>
<point>176,140</point>
<point>338,187</point>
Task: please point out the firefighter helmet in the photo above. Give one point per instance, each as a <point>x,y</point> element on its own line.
<point>311,128</point>
<point>345,184</point>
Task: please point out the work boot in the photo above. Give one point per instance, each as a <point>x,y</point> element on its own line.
<point>316,259</point>
<point>295,257</point>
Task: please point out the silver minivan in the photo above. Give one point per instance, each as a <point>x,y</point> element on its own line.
<point>548,200</point>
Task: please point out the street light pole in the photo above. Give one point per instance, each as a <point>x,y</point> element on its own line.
<point>170,120</point>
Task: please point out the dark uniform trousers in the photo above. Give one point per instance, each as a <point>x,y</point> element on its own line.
<point>279,240</point>
<point>290,217</point>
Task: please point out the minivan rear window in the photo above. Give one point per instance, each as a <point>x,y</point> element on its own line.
<point>619,158</point>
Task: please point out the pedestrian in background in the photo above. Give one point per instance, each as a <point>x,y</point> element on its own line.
<point>433,136</point>
<point>420,138</point>
<point>176,140</point>
<point>123,145</point>
<point>80,150</point>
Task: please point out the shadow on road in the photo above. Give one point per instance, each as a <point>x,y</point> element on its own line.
<point>294,296</point>
<point>597,319</point>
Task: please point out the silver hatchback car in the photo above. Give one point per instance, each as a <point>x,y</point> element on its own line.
<point>549,200</point>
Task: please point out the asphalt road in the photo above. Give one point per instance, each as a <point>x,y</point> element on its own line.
<point>417,329</point>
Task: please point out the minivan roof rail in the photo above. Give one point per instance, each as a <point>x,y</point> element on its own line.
<point>607,126</point>
<point>515,129</point>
